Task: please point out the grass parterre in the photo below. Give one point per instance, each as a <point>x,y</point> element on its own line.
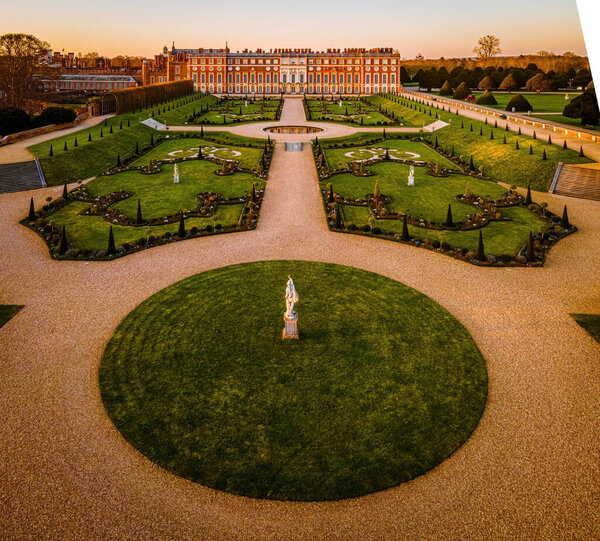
<point>382,386</point>
<point>351,111</point>
<point>451,208</point>
<point>233,111</point>
<point>136,206</point>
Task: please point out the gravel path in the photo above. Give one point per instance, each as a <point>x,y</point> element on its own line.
<point>531,470</point>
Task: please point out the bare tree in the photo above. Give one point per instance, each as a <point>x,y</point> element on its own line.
<point>419,57</point>
<point>487,47</point>
<point>20,56</point>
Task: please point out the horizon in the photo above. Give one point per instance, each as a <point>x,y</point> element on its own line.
<point>556,26</point>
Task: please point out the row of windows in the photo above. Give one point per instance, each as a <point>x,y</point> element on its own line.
<point>348,78</point>
<point>300,61</point>
<point>240,89</point>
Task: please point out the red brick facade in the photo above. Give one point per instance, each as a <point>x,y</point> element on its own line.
<point>288,71</point>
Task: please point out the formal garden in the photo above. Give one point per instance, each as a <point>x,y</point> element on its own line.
<point>452,207</point>
<point>364,401</point>
<point>178,188</point>
<point>350,111</point>
<point>233,111</point>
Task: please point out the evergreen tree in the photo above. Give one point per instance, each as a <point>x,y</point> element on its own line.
<point>101,133</point>
<point>151,139</point>
<point>564,222</point>
<point>517,145</point>
<point>111,242</point>
<point>530,150</point>
<point>436,142</point>
<point>62,247</point>
<point>118,160</point>
<point>121,125</point>
<point>581,154</point>
<point>449,221</point>
<point>528,196</point>
<point>565,145</point>
<point>65,194</point>
<point>530,253</point>
<point>549,139</point>
<point>199,152</point>
<point>338,216</point>
<point>137,148</point>
<point>129,121</point>
<point>384,133</point>
<point>31,216</point>
<point>405,236</point>
<point>331,197</point>
<point>75,144</point>
<point>89,137</point>
<point>51,153</point>
<point>544,157</point>
<point>201,131</point>
<point>471,127</point>
<point>111,129</point>
<point>534,135</point>
<point>480,250</point>
<point>181,231</point>
<point>504,139</point>
<point>254,192</point>
<point>491,135</point>
<point>65,148</point>
<point>471,164</point>
<point>138,218</point>
<point>519,132</point>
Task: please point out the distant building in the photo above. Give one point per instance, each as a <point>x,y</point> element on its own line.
<point>89,84</point>
<point>288,71</point>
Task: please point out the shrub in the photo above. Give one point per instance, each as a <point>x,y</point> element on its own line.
<point>510,83</point>
<point>538,83</point>
<point>585,107</point>
<point>461,92</point>
<point>55,115</point>
<point>111,243</point>
<point>486,84</point>
<point>446,89</point>
<point>13,120</point>
<point>480,249</point>
<point>519,103</point>
<point>487,98</point>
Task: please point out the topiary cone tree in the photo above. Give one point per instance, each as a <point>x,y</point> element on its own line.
<point>118,160</point>
<point>138,218</point>
<point>331,197</point>
<point>51,153</point>
<point>581,154</point>
<point>405,236</point>
<point>564,222</point>
<point>181,231</point>
<point>544,157</point>
<point>528,196</point>
<point>471,164</point>
<point>530,252</point>
<point>111,249</point>
<point>62,247</point>
<point>530,150</point>
<point>338,217</point>
<point>549,139</point>
<point>76,144</point>
<point>449,221</point>
<point>89,137</point>
<point>565,145</point>
<point>253,197</point>
<point>31,215</point>
<point>65,193</point>
<point>480,249</point>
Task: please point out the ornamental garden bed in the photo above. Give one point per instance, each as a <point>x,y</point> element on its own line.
<point>466,216</point>
<point>127,209</point>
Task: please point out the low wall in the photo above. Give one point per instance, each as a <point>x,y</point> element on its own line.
<point>20,136</point>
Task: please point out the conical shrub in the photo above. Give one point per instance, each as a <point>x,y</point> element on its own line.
<point>62,247</point>
<point>118,160</point>
<point>565,145</point>
<point>111,249</point>
<point>65,147</point>
<point>564,222</point>
<point>75,144</point>
<point>528,196</point>
<point>65,193</point>
<point>544,157</point>
<point>51,153</point>
<point>405,236</point>
<point>138,218</point>
<point>31,215</point>
<point>581,154</point>
<point>181,231</point>
<point>449,221</point>
<point>480,249</point>
<point>530,252</point>
<point>549,139</point>
<point>530,150</point>
<point>89,137</point>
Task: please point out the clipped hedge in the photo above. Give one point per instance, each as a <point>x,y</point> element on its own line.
<point>462,92</point>
<point>520,104</point>
<point>487,98</point>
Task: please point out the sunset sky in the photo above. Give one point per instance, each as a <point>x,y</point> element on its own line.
<point>432,27</point>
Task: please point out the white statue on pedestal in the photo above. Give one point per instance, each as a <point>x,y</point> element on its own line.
<point>176,175</point>
<point>411,176</point>
<point>291,297</point>
<point>340,102</point>
<point>290,317</point>
<point>246,103</point>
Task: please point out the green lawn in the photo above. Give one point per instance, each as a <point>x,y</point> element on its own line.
<point>351,112</point>
<point>7,312</point>
<point>590,322</point>
<point>239,111</point>
<point>547,103</point>
<point>382,386</point>
<point>188,147</point>
<point>499,161</point>
<point>90,158</point>
<point>397,148</point>
<point>159,198</point>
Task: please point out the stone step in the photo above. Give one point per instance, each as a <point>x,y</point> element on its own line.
<point>18,177</point>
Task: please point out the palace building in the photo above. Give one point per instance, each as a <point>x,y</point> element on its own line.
<point>277,71</point>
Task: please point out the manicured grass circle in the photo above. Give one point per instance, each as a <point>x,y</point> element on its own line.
<point>383,385</point>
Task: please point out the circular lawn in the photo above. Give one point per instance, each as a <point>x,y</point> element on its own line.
<point>382,386</point>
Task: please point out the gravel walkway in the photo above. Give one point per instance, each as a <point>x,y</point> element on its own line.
<point>531,470</point>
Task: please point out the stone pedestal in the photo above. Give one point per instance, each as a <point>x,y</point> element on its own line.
<point>291,326</point>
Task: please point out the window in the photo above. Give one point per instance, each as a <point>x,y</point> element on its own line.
<point>237,60</point>
<point>284,78</point>
<point>393,78</point>
<point>219,78</point>
<point>384,78</point>
<point>332,78</point>
<point>252,78</point>
<point>302,78</point>
<point>310,78</point>
<point>267,78</point>
<point>274,78</point>
<point>203,78</point>
<point>326,78</point>
<point>211,61</point>
<point>293,81</point>
<point>260,78</point>
<point>211,78</point>
<point>318,78</point>
<point>230,78</point>
<point>237,78</point>
<point>356,78</point>
<point>245,78</point>
<point>368,78</point>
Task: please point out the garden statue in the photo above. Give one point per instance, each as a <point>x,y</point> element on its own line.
<point>176,175</point>
<point>290,317</point>
<point>411,176</point>
<point>340,102</point>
